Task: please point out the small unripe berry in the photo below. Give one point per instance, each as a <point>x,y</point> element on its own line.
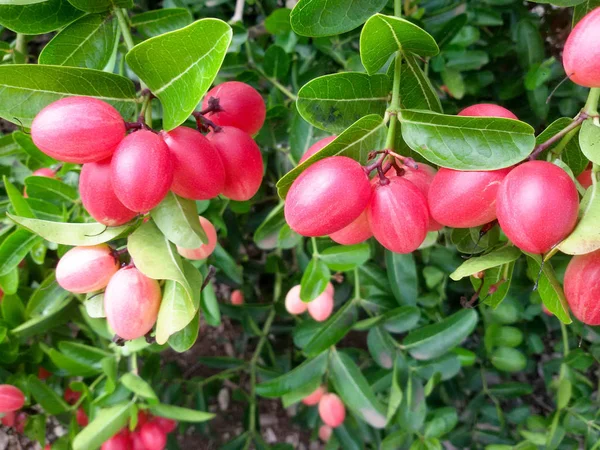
<point>11,398</point>
<point>487,110</point>
<point>316,147</point>
<point>537,206</point>
<point>81,418</point>
<point>205,250</point>
<point>581,54</point>
<point>167,425</point>
<point>142,171</point>
<point>582,287</point>
<point>131,303</point>
<point>355,233</point>
<point>237,297</point>
<point>293,304</point>
<point>332,410</point>
<point>315,397</point>
<point>86,269</point>
<point>153,436</point>
<point>117,442</point>
<point>325,433</point>
<point>242,106</point>
<point>321,307</point>
<point>328,196</point>
<point>585,178</point>
<point>78,129</point>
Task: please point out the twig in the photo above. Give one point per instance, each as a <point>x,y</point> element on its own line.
<point>557,137</point>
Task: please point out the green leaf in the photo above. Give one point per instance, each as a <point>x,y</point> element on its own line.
<point>276,62</point>
<point>267,233</point>
<point>15,247</point>
<point>333,330</point>
<point>26,143</point>
<point>26,89</point>
<point>210,306</point>
<point>495,258</point>
<point>434,340</point>
<point>355,142</point>
<point>227,264</point>
<point>467,143</point>
<point>589,140</point>
<point>344,258</point>
<point>138,386</point>
<point>412,410</point>
<point>402,319</point>
<point>314,280</point>
<point>508,359</point>
<point>106,424</point>
<point>84,354</point>
<point>416,90</point>
<point>396,393</point>
<point>354,390</point>
<point>571,154</point>
<point>501,277</point>
<point>382,36</point>
<point>180,414</point>
<point>315,18</point>
<point>70,233</point>
<point>87,42</point>
<point>95,6</point>
<point>530,45</point>
<point>381,347</point>
<point>17,200</point>
<point>45,396</point>
<point>565,390</point>
<point>160,21</point>
<point>443,421</point>
<point>583,9</point>
<point>13,311</point>
<point>38,18</point>
<point>402,276</point>
<point>334,102</point>
<point>549,288</point>
<point>94,305</point>
<point>184,339</point>
<point>178,220</point>
<point>278,21</point>
<point>50,189</point>
<point>180,66</point>
<point>585,238</point>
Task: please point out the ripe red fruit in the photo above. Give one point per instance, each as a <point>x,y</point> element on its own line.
<point>332,410</point>
<point>398,215</point>
<point>117,442</point>
<point>293,304</point>
<point>205,250</point>
<point>487,110</point>
<point>315,397</point>
<point>136,441</point>
<point>242,106</point>
<point>237,297</point>
<point>325,433</point>
<point>328,196</point>
<point>581,55</point>
<point>316,147</point>
<point>142,418</point>
<point>43,374</point>
<point>355,233</point>
<point>585,178</point>
<point>167,425</point>
<point>71,396</point>
<point>242,161</point>
<point>153,436</point>
<point>537,206</point>
<point>86,269</point>
<point>321,307</point>
<point>131,303</point>
<point>98,196</point>
<point>44,172</point>
<point>198,172</point>
<point>465,199</point>
<point>582,287</point>
<point>78,129</point>
<point>142,171</point>
<point>81,418</point>
<point>11,398</point>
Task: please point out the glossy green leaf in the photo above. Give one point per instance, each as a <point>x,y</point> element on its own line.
<point>381,347</point>
<point>230,268</point>
<point>585,238</point>
<point>45,396</point>
<point>180,414</point>
<point>50,189</point>
<point>26,143</point>
<point>38,18</point>
<point>402,275</point>
<point>106,424</point>
<point>210,306</point>
<point>582,9</point>
<point>443,421</point>
<point>17,200</point>
<point>589,140</point>
<point>401,320</point>
<point>15,247</point>
<point>160,21</point>
<point>333,330</point>
<point>138,386</point>
<point>178,220</point>
<point>501,278</point>
<point>94,305</point>
<point>416,90</point>
<point>95,6</point>
<point>549,288</point>
<point>477,264</point>
<point>9,282</point>
<point>278,21</point>
<point>183,340</point>
<point>314,280</point>
<point>180,66</point>
<point>344,258</point>
<point>412,410</point>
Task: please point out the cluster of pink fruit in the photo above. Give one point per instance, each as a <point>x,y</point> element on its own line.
<point>331,410</point>
<point>319,308</point>
<point>150,434</point>
<point>127,174</point>
<point>12,400</point>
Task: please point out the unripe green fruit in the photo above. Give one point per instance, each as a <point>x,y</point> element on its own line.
<point>508,359</point>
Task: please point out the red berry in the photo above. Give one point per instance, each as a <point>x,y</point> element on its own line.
<point>81,418</point>
<point>98,196</point>
<point>153,436</point>
<point>20,422</point>
<point>11,398</point>
<point>332,410</point>
<point>242,161</point>
<point>321,307</point>
<point>582,287</point>
<point>44,172</point>
<point>585,178</point>
<point>487,110</point>
<point>71,396</point>
<point>325,432</point>
<point>117,442</point>
<point>237,297</point>
<point>465,199</point>
<point>136,441</point>
<point>198,172</point>
<point>581,55</point>
<point>142,418</point>
<point>86,269</point>
<point>398,215</point>
<point>78,129</point>
<point>205,250</point>
<point>43,374</point>
<point>316,147</point>
<point>537,206</point>
<point>355,233</point>
<point>48,447</point>
<point>315,397</point>
<point>328,196</point>
<point>293,304</point>
<point>167,425</point>
<point>142,171</point>
<point>131,303</point>
<point>9,419</point>
<point>242,106</point>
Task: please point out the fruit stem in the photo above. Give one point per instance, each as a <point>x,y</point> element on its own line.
<point>356,284</point>
<point>289,94</point>
<point>238,14</point>
<point>314,247</point>
<point>558,136</point>
<point>124,26</point>
<point>202,123</point>
<point>392,111</point>
<point>591,105</point>
<point>565,338</point>
<point>21,47</point>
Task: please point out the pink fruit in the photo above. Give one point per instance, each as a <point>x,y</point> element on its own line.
<point>332,410</point>
<point>487,110</point>
<point>237,297</point>
<point>117,442</point>
<point>71,396</point>
<point>153,436</point>
<point>315,397</point>
<point>293,303</point>
<point>355,233</point>
<point>585,178</point>
<point>43,374</point>
<point>11,398</point>
<point>465,199</point>
<point>136,441</point>
<point>9,419</point>
<point>422,177</point>
<point>328,196</point>
<point>321,307</point>
<point>398,215</point>
<point>325,433</point>
<point>242,106</point>
<point>86,269</point>
<point>98,196</point>
<point>44,172</point>
<point>78,129</point>
<point>142,171</point>
<point>205,250</point>
<point>316,147</point>
<point>242,161</point>
<point>20,422</point>
<point>131,303</point>
<point>582,287</point>
<point>167,425</point>
<point>198,172</point>
<point>581,55</point>
<point>81,418</point>
<point>537,206</point>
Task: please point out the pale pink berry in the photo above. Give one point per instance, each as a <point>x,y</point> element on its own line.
<point>332,410</point>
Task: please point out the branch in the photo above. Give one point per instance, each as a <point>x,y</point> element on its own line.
<point>557,137</point>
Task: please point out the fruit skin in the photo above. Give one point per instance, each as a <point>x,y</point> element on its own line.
<point>98,196</point>
<point>582,287</point>
<point>205,250</point>
<point>355,233</point>
<point>398,215</point>
<point>153,436</point>
<point>136,441</point>
<point>242,161</point>
<point>316,147</point>
<point>325,433</point>
<point>422,177</point>
<point>328,196</point>
<point>81,418</point>
<point>119,441</point>
<point>71,396</point>
<point>142,171</point>
<point>44,172</point>
<point>43,374</point>
<point>585,178</point>
<point>537,206</point>
<point>167,425</point>
<point>131,303</point>
<point>581,54</point>
<point>9,419</point>
<point>487,110</point>
<point>243,107</point>
<point>11,398</point>
<point>198,172</point>
<point>332,410</point>
<point>86,269</point>
<point>78,129</point>
<point>315,397</point>
<point>237,297</point>
<point>321,307</point>
<point>293,304</point>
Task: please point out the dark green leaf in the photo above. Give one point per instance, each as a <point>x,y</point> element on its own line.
<point>106,424</point>
<point>38,18</point>
<point>95,6</point>
<point>160,21</point>
<point>402,275</point>
<point>314,280</point>
<point>333,330</point>
<point>45,396</point>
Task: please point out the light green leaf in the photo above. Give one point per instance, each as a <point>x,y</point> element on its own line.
<point>50,189</point>
<point>344,258</point>
<point>160,21</point>
<point>26,143</point>
<point>178,220</point>
<point>583,9</point>
<point>180,414</point>
<point>184,339</point>
<point>95,6</point>
<point>17,200</point>
<point>402,319</point>
<point>314,280</point>
<point>9,282</point>
<point>267,233</point>
<point>15,247</point>
<point>549,288</point>
<point>495,258</point>
<point>106,424</point>
<point>585,238</point>
<point>138,386</point>
<point>416,91</point>
<point>333,330</point>
<point>589,140</point>
<point>38,18</point>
